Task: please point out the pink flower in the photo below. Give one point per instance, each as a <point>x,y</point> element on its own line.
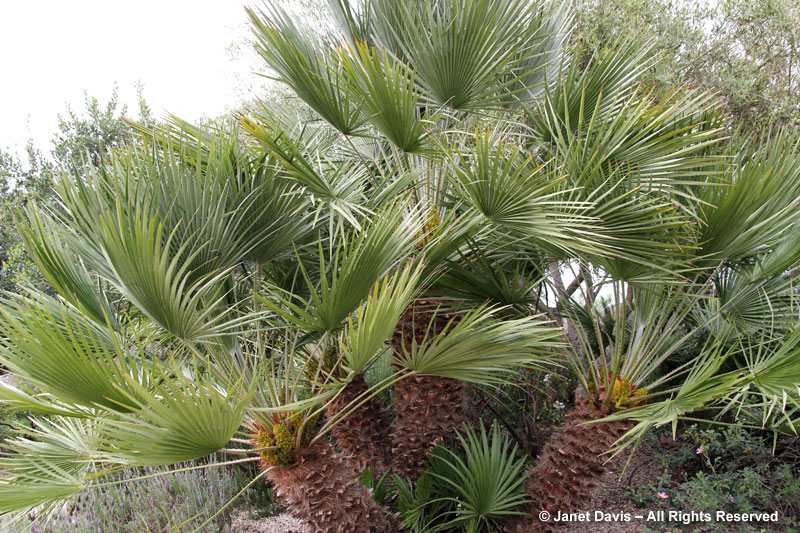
<point>699,450</point>
<point>663,495</point>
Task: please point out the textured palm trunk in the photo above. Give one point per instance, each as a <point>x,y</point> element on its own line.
<point>428,409</point>
<point>569,467</point>
<point>322,489</point>
<point>363,435</point>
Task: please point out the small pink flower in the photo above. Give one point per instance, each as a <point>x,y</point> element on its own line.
<point>699,450</point>
<point>663,495</point>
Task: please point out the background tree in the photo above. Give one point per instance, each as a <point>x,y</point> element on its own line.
<point>744,50</point>
<point>91,135</point>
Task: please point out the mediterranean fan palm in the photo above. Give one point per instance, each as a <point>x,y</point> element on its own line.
<point>254,288</point>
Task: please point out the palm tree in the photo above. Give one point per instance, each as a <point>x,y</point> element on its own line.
<point>255,288</point>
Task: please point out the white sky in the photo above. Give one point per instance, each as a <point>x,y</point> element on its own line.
<point>53,50</point>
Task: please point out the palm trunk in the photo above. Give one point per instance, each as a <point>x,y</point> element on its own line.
<point>428,409</point>
<point>363,436</point>
<point>569,466</point>
<point>320,488</point>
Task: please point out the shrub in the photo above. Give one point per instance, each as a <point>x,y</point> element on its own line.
<point>175,501</point>
<point>737,473</point>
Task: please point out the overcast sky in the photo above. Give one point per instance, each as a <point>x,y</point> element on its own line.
<point>53,50</point>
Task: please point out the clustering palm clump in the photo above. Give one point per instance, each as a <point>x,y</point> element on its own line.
<point>315,291</point>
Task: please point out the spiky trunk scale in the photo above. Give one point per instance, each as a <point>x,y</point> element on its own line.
<point>320,488</point>
<point>428,409</point>
<point>568,467</point>
<point>363,436</point>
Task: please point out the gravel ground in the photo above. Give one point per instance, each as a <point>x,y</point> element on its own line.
<point>609,495</point>
<point>282,523</point>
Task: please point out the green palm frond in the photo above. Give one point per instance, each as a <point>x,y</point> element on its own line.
<point>664,142</point>
<point>358,261</point>
<point>632,166</point>
<point>461,50</point>
<point>702,385</point>
<point>600,88</point>
<point>46,463</point>
<point>377,317</point>
<point>178,415</point>
<point>443,242</point>
<point>478,276</point>
<point>18,395</point>
<point>783,256</point>
<point>511,190</point>
<point>57,348</point>
<point>641,237</point>
<point>479,348</point>
<point>548,51</point>
<point>121,213</point>
<point>389,94</point>
<point>337,184</point>
<point>774,368</point>
<point>352,18</point>
<point>61,442</point>
<point>752,213</point>
<point>314,75</point>
<point>236,199</point>
<point>751,302</point>
<point>487,482</point>
<point>62,268</point>
<point>160,286</point>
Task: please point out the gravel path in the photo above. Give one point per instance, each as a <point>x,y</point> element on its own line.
<point>282,523</point>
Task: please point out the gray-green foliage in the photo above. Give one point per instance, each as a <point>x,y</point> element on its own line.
<point>89,135</point>
<point>164,502</point>
<point>472,486</point>
<point>746,50</point>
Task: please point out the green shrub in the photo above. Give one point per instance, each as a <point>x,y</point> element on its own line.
<point>736,473</point>
<point>179,501</point>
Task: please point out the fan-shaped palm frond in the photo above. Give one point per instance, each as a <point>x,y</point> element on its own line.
<point>48,463</point>
<point>337,184</point>
<point>511,190</point>
<point>298,61</point>
<point>751,214</point>
<point>646,331</point>
<point>62,268</point>
<point>461,50</point>
<point>479,347</point>
<point>701,385</point>
<point>377,317</point>
<point>487,481</point>
<point>548,51</point>
<point>389,94</point>
<point>358,261</point>
<point>60,350</point>
<point>502,279</point>
<point>178,415</point>
<point>601,88</point>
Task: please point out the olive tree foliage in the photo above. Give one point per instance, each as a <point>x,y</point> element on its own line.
<point>86,135</point>
<point>19,181</point>
<point>745,50</point>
